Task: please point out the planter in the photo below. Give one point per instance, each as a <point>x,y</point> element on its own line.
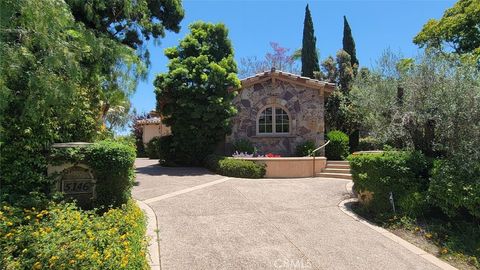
<point>290,167</point>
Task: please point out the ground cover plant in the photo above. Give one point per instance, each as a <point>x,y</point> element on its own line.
<point>61,236</point>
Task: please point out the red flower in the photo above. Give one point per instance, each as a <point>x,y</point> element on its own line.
<point>272,155</point>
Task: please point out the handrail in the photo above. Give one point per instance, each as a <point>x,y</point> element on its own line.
<point>313,154</point>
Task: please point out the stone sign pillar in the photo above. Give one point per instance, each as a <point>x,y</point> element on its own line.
<point>75,181</point>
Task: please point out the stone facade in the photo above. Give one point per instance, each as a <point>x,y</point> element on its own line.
<point>304,105</point>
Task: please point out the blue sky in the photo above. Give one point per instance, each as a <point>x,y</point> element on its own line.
<point>376,26</point>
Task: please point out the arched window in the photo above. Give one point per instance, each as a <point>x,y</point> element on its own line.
<point>273,120</point>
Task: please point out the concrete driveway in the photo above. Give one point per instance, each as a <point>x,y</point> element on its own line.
<point>207,221</point>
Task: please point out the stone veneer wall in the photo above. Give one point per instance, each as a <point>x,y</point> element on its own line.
<point>305,107</point>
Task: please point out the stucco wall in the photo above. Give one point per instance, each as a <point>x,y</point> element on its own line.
<point>305,107</point>
<point>154,130</point>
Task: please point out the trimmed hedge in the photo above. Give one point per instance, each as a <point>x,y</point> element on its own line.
<point>455,187</point>
<point>405,174</point>
<point>305,149</point>
<point>338,148</point>
<point>65,237</point>
<point>112,164</point>
<point>234,167</point>
<point>113,167</point>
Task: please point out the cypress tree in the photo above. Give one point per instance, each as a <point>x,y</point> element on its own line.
<point>309,51</point>
<point>349,43</point>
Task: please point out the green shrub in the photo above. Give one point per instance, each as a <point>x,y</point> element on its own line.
<point>369,143</point>
<point>338,148</point>
<point>305,149</point>
<point>403,173</point>
<point>243,146</point>
<point>65,237</point>
<point>112,164</point>
<point>166,151</point>
<point>455,186</point>
<point>127,140</point>
<point>113,167</point>
<point>152,148</point>
<point>234,167</point>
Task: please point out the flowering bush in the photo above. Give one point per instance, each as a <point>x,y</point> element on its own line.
<point>272,155</point>
<point>242,154</point>
<point>64,237</point>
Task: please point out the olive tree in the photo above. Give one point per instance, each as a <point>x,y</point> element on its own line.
<point>431,103</point>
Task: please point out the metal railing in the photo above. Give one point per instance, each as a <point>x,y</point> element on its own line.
<point>313,154</point>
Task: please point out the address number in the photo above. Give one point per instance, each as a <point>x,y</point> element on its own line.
<point>77,187</point>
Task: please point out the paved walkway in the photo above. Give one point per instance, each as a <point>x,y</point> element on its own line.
<point>207,221</point>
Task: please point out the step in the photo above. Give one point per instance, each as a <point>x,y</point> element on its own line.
<point>336,170</point>
<point>335,175</point>
<point>338,166</point>
<point>337,161</point>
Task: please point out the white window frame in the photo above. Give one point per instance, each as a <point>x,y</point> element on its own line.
<point>274,132</point>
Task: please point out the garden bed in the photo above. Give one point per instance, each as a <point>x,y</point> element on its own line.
<point>289,167</point>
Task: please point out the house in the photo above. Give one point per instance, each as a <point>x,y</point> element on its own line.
<point>279,110</point>
<point>276,112</point>
<point>153,127</point>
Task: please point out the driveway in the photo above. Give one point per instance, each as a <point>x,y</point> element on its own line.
<point>207,221</point>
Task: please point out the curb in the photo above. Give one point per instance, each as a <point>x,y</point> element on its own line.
<point>343,205</point>
<point>153,255</point>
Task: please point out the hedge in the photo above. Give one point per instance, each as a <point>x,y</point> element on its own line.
<point>65,237</point>
<point>234,167</point>
<point>455,187</point>
<point>305,149</point>
<point>112,164</point>
<point>405,174</point>
<point>338,148</point>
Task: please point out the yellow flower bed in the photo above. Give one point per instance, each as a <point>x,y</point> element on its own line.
<point>65,237</point>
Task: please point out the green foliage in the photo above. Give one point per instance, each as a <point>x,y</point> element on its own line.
<point>457,29</point>
<point>305,149</point>
<point>65,237</point>
<point>112,164</point>
<point>338,148</point>
<point>430,103</point>
<point>405,174</point>
<point>46,94</point>
<point>126,140</point>
<point>309,52</point>
<point>243,146</point>
<point>152,148</point>
<point>369,143</point>
<point>64,80</point>
<point>349,45</point>
<point>455,186</point>
<point>234,167</point>
<point>113,167</point>
<point>129,22</point>
<point>193,96</point>
<point>345,71</point>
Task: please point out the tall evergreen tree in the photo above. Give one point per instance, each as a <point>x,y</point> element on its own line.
<point>309,52</point>
<point>349,44</point>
